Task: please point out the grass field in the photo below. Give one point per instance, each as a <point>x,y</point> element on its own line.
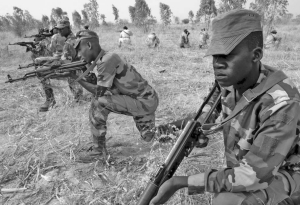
<point>38,150</point>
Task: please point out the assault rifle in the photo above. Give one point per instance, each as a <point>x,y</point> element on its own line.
<point>46,71</point>
<point>29,65</point>
<point>27,44</point>
<point>182,148</point>
<point>40,35</point>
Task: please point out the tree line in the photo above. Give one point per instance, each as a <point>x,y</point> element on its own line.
<point>20,21</point>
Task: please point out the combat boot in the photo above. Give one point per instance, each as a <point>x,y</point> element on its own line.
<point>50,101</point>
<point>93,151</point>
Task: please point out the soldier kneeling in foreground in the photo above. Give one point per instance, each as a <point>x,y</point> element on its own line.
<point>260,113</point>
<point>152,40</point>
<point>120,89</point>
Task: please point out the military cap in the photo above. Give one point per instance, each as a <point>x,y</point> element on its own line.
<point>83,34</point>
<point>230,28</point>
<point>63,23</point>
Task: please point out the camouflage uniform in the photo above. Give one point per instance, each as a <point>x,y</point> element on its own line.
<point>125,37</point>
<point>184,40</point>
<point>129,94</point>
<point>152,40</point>
<point>63,49</point>
<point>260,145</point>
<point>203,37</point>
<point>272,41</point>
<point>41,50</point>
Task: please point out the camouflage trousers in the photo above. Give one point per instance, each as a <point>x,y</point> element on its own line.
<point>75,87</point>
<point>184,45</point>
<point>124,41</point>
<point>279,192</point>
<point>143,115</point>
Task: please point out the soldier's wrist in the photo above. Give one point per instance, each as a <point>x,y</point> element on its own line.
<point>180,181</point>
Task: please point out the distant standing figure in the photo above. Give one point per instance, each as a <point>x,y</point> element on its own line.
<point>125,36</point>
<point>86,27</point>
<point>272,40</point>
<point>184,39</point>
<point>203,37</point>
<point>152,40</point>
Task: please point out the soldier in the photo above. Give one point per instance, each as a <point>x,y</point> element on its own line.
<point>203,37</point>
<point>272,41</point>
<point>260,120</point>
<point>152,40</point>
<point>120,89</point>
<point>62,46</point>
<point>125,36</point>
<point>184,39</point>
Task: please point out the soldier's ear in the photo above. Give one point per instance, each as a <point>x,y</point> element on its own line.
<point>257,54</point>
<point>89,44</point>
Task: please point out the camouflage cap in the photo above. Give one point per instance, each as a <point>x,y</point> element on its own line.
<point>83,34</point>
<point>230,28</point>
<point>63,23</point>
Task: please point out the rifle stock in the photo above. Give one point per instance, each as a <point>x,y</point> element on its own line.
<point>43,72</point>
<point>182,148</point>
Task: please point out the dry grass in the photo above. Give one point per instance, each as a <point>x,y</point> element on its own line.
<point>38,150</point>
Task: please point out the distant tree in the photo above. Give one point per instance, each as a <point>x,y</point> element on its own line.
<point>207,9</point>
<point>191,16</point>
<point>132,13</point>
<point>185,21</point>
<point>45,21</point>
<point>142,12</point>
<point>85,17</point>
<point>176,19</point>
<point>115,13</point>
<point>91,9</point>
<point>77,22</point>
<point>270,10</point>
<point>228,5</point>
<point>123,22</point>
<point>57,14</point>
<point>165,13</point>
<point>103,17</point>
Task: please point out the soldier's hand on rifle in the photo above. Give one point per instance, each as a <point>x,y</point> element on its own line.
<point>169,188</point>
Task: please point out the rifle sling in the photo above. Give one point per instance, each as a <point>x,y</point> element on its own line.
<point>101,54</point>
<point>248,96</point>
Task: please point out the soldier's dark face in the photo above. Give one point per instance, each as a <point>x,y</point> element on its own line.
<point>84,51</point>
<point>234,68</point>
<point>64,31</point>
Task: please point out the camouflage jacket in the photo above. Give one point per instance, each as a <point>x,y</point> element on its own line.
<point>258,141</point>
<point>184,38</point>
<point>41,49</point>
<point>122,78</point>
<point>69,52</point>
<point>56,45</point>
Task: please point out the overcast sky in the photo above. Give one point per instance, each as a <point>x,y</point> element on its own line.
<point>180,8</point>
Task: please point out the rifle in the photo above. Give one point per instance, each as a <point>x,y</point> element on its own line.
<point>27,44</point>
<point>28,66</point>
<point>182,148</point>
<point>45,72</point>
<point>40,35</point>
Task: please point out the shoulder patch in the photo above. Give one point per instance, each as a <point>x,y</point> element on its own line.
<point>278,94</point>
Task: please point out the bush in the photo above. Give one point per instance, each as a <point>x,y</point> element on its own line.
<point>185,21</point>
